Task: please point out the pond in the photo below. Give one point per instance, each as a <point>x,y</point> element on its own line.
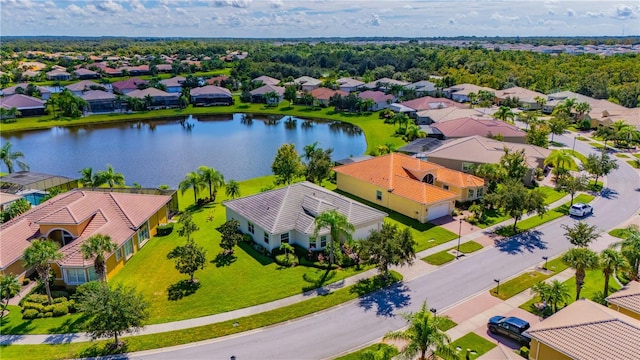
<point>156,152</point>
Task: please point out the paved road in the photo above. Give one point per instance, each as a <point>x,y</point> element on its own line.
<point>348,326</point>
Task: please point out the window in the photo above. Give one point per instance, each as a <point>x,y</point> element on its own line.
<point>378,195</point>
<point>323,241</point>
<point>76,276</point>
<point>446,187</point>
<point>284,238</point>
<point>92,274</point>
<point>312,244</point>
<point>479,192</point>
<point>266,237</point>
<point>250,227</point>
<point>118,254</point>
<point>128,248</point>
<point>143,234</point>
<point>472,193</point>
<point>429,179</point>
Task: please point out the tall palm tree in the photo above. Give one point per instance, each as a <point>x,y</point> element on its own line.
<point>191,181</point>
<point>232,189</point>
<point>213,178</point>
<point>611,261</point>
<point>581,259</point>
<point>9,287</point>
<point>8,157</point>
<point>88,178</point>
<point>97,246</point>
<point>339,229</point>
<point>109,177</point>
<point>39,255</point>
<point>560,159</point>
<point>422,335</point>
<point>558,292</point>
<point>630,249</point>
<point>504,113</point>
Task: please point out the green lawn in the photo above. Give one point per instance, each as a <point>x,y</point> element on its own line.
<point>526,280</point>
<point>444,256</point>
<point>374,349</point>
<point>13,324</point>
<point>620,233</point>
<point>637,155</point>
<point>633,164</point>
<point>593,284</point>
<point>178,337</point>
<point>622,156</point>
<point>551,195</point>
<point>582,138</point>
<point>476,344</point>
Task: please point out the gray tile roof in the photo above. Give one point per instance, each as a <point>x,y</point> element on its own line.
<point>294,207</point>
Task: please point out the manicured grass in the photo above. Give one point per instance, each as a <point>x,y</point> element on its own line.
<point>633,164</point>
<point>593,284</point>
<point>622,156</point>
<point>582,138</point>
<point>620,233</point>
<point>526,280</point>
<point>477,345</point>
<point>376,131</point>
<point>551,195</point>
<point>372,349</point>
<point>446,323</point>
<point>14,324</point>
<point>637,155</point>
<point>444,256</point>
<point>597,145</point>
<point>178,337</point>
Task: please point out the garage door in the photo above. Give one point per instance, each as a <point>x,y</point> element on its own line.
<point>438,211</point>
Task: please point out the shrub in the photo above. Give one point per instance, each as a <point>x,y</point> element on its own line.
<point>71,304</point>
<point>30,314</point>
<point>59,294</point>
<point>47,314</point>
<point>247,238</point>
<point>26,281</point>
<point>28,305</point>
<point>59,300</point>
<point>60,310</point>
<point>38,298</point>
<point>261,249</point>
<point>287,260</point>
<point>164,229</point>
<point>47,308</point>
<point>88,287</point>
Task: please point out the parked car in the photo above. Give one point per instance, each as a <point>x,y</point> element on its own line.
<point>511,327</point>
<point>580,209</point>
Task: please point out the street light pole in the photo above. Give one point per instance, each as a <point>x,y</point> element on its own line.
<point>545,258</point>
<point>498,287</point>
<point>459,236</point>
<point>433,310</point>
<point>573,149</point>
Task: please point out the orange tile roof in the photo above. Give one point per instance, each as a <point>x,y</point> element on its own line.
<point>325,93</point>
<point>118,215</point>
<point>402,174</point>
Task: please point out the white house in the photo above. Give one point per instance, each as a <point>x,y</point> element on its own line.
<point>286,215</point>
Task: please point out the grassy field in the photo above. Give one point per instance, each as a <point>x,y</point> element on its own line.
<point>593,284</point>
<point>372,349</point>
<point>476,344</point>
<point>444,256</point>
<point>620,233</point>
<point>526,280</point>
<point>178,337</point>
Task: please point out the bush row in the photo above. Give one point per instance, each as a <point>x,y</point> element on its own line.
<point>37,306</point>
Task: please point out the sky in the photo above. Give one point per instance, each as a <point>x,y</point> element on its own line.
<point>318,18</point>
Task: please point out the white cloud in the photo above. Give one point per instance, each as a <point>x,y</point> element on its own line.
<point>452,21</point>
<point>499,17</point>
<point>375,20</point>
<point>276,4</point>
<point>181,11</point>
<point>595,14</point>
<point>624,12</point>
<point>233,3</point>
<point>109,6</point>
<point>75,10</point>
<point>570,12</point>
<point>136,5</point>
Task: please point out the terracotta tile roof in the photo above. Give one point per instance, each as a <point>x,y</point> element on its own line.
<point>97,95</point>
<point>377,96</point>
<point>12,89</point>
<point>467,126</point>
<point>401,174</point>
<point>430,103</point>
<point>267,80</point>
<point>216,80</point>
<point>153,92</point>
<point>210,90</point>
<point>521,93</point>
<point>267,89</point>
<point>628,297</point>
<point>118,215</point>
<point>82,85</point>
<point>458,178</point>
<point>129,84</point>
<point>466,89</point>
<point>587,330</point>
<point>20,101</point>
<point>325,93</point>
<point>6,198</point>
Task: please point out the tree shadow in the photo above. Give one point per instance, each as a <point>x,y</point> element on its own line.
<point>105,349</point>
<point>317,282</point>
<point>385,301</point>
<point>223,259</point>
<point>61,338</point>
<point>257,256</point>
<point>527,241</point>
<point>21,328</point>
<point>70,326</point>
<point>181,289</point>
<point>609,193</point>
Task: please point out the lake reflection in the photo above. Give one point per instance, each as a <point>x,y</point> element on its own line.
<point>155,152</point>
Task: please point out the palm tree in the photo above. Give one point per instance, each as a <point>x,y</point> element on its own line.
<point>109,177</point>
<point>581,259</point>
<point>191,181</point>
<point>96,247</point>
<point>414,132</point>
<point>88,178</point>
<point>9,287</point>
<point>630,249</point>
<point>561,161</point>
<point>611,261</point>
<point>232,189</point>
<point>558,292</point>
<point>339,227</point>
<point>504,113</point>
<point>39,255</point>
<point>423,334</point>
<point>213,178</point>
<point>8,157</point>
<point>581,110</point>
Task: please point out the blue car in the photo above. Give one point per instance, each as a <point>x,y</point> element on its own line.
<point>511,327</point>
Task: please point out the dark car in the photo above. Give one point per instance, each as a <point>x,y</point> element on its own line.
<point>512,327</point>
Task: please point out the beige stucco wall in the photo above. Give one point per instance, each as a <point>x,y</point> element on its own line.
<point>540,351</point>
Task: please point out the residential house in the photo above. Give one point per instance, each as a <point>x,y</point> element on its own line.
<point>30,75</point>
<point>627,300</point>
<point>82,73</point>
<point>422,88</point>
<point>7,199</point>
<point>461,154</point>
<point>258,95</point>
<point>286,215</point>
<point>130,220</point>
<point>585,330</point>
<point>384,84</point>
<point>159,99</point>
<point>27,105</point>
<point>217,80</point>
<point>136,70</point>
<point>607,115</point>
<point>429,103</point>
<point>467,126</point>
<point>460,92</point>
<point>164,68</point>
<point>99,101</point>
<point>174,85</point>
<point>307,83</point>
<point>211,95</point>
<point>349,85</point>
<point>126,86</point>
<point>420,146</point>
<point>380,99</point>
<point>82,86</point>
<point>426,117</point>
<point>45,94</point>
<point>266,80</point>
<point>526,97</point>
<point>58,75</point>
<point>418,189</point>
<point>322,95</point>
<point>28,182</point>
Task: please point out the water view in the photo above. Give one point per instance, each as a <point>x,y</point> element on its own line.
<point>156,152</point>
